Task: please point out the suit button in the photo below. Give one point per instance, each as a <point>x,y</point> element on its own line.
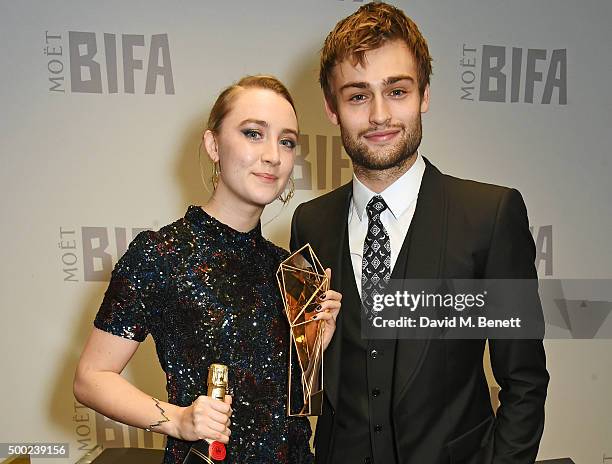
<point>378,428</point>
<point>375,392</point>
<point>373,354</point>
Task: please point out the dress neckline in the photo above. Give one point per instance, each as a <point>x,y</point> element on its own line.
<point>196,215</point>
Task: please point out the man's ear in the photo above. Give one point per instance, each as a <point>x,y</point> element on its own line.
<point>330,110</point>
<point>210,143</point>
<point>425,100</point>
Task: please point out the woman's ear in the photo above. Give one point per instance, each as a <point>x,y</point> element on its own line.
<point>210,143</point>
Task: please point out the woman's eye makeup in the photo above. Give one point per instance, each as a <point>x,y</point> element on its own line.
<point>254,134</point>
<point>257,134</point>
<point>289,143</point>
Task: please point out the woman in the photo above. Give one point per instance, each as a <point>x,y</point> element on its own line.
<point>205,288</point>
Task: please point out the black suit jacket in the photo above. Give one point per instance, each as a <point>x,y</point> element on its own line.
<point>441,410</point>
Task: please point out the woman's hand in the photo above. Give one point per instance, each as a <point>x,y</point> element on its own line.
<point>206,418</point>
<point>99,385</point>
<point>328,311</point>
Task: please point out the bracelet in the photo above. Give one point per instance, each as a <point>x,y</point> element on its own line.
<point>161,421</point>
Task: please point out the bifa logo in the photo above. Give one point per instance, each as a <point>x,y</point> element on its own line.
<point>109,63</point>
<point>543,238</point>
<point>501,74</point>
<point>321,163</point>
<point>90,251</point>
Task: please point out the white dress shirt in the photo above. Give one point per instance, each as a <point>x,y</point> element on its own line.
<point>401,198</point>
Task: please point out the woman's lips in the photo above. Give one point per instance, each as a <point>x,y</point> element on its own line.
<point>269,178</point>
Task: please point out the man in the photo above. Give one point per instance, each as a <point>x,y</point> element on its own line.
<point>412,401</point>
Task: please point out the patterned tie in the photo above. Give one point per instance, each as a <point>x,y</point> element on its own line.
<point>376,264</point>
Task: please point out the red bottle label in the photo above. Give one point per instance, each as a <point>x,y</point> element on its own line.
<point>216,450</point>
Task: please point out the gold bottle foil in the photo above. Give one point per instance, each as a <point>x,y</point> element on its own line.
<point>217,381</point>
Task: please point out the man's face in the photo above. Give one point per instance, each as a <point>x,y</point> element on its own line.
<point>378,107</point>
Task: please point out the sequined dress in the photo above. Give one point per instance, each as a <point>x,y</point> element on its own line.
<point>208,293</point>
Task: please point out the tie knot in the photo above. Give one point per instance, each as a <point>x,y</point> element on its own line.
<point>376,206</point>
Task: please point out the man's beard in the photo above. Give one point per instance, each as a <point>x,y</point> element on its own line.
<point>385,157</point>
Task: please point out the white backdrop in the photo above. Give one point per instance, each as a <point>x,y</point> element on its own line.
<point>81,171</point>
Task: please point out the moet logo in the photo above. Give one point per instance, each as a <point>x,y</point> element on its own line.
<point>513,75</point>
<point>92,428</point>
<point>121,66</point>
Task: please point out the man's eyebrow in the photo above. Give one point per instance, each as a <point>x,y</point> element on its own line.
<point>387,81</point>
<point>358,85</point>
<point>393,79</point>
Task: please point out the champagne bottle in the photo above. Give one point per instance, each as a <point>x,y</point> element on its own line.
<point>204,451</point>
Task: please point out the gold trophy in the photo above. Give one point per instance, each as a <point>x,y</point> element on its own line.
<point>302,279</point>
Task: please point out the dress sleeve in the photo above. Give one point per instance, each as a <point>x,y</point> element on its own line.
<point>135,291</point>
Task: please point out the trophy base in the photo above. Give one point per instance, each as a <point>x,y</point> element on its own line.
<point>314,407</point>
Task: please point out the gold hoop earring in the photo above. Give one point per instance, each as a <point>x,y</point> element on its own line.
<point>214,178</point>
<point>286,198</point>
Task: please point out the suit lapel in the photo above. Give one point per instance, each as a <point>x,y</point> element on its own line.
<point>421,257</point>
<point>330,251</point>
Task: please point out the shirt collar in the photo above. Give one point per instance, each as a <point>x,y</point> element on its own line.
<point>398,196</point>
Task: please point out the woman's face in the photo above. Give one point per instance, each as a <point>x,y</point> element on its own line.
<point>255,147</point>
